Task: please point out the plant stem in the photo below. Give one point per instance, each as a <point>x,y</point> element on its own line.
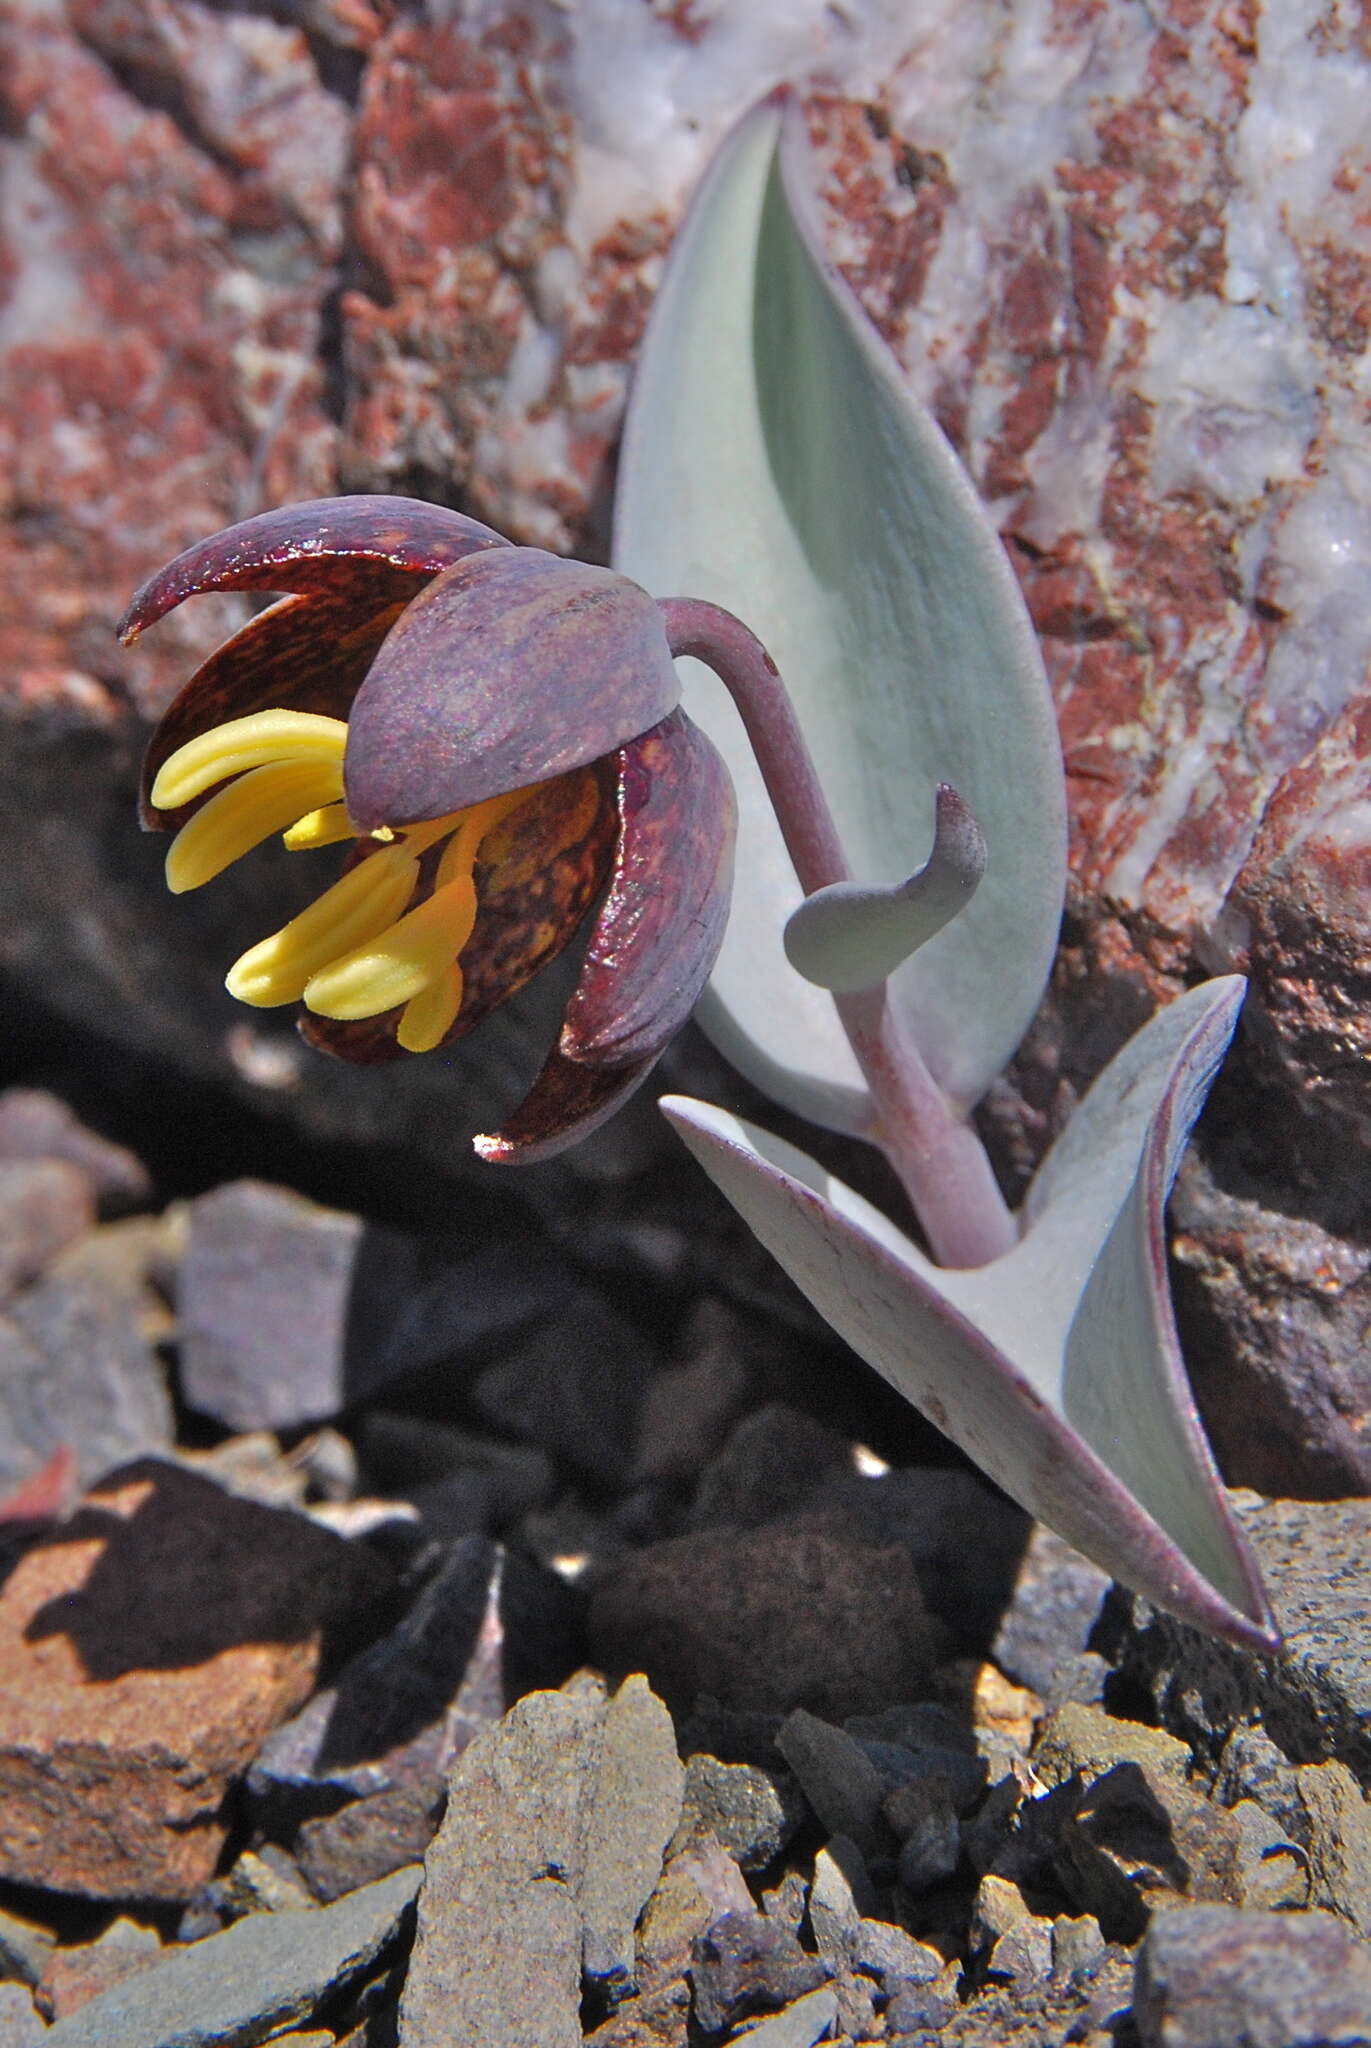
<point>935,1152</point>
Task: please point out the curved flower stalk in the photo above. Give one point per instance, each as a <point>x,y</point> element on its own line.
<point>495,735</point>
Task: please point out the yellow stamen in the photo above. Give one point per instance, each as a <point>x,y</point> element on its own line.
<point>246,743</point>
<point>240,817</point>
<point>322,828</point>
<point>394,966</point>
<point>472,827</point>
<point>428,1017</point>
<point>355,910</point>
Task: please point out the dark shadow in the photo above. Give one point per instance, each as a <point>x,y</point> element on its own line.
<point>188,1571</point>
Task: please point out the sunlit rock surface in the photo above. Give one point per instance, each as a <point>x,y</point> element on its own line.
<point>1123,251</point>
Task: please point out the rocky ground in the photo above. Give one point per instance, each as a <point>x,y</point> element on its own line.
<point>550,1636</point>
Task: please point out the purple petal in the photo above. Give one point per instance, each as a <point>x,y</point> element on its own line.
<point>565,1104</point>
<point>303,654</point>
<point>510,667</point>
<point>377,548</point>
<point>662,921</point>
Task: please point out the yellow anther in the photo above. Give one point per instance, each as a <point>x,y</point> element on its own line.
<point>357,908</point>
<point>394,966</point>
<point>240,817</point>
<point>246,743</point>
<point>321,828</point>
<point>428,1017</point>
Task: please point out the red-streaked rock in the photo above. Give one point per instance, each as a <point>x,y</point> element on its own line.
<point>146,1649</point>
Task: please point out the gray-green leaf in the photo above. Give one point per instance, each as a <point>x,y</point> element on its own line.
<point>776,463</point>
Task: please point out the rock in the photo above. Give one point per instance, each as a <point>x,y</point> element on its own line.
<point>45,1204</point>
<point>698,1886</point>
<point>1136,1841</point>
<point>248,1983</point>
<point>486,1626</point>
<point>20,2025</point>
<point>78,1367</point>
<point>771,1463</point>
<point>1092,2006</point>
<point>573,1388</point>
<point>766,1620</point>
<point>268,1883</point>
<point>1208,1976</point>
<point>834,1915</point>
<point>1273,1871</point>
<point>1083,1738</point>
<point>637,1806</point>
<point>652,2019</point>
<point>808,2020</point>
<point>1314,1701</point>
<point>788,1901</point>
<point>366,1839</point>
<point>964,1539</point>
<point>744,1809</point>
<point>1042,1637</point>
<point>449,1472</point>
<point>912,2007</point>
<point>1275,1306</point>
<point>291,1312</point>
<point>931,1844</point>
<point>552,1841</point>
<point>146,1649</point>
<point>1077,1944</point>
<point>688,1407</point>
<point>35,1125</point>
<point>497,1954</point>
<point>73,1976</point>
<point>838,1779</point>
<point>25,1946</point>
<point>932,1780</point>
<point>748,1964</point>
<point>1338,1840</point>
<point>886,1951</point>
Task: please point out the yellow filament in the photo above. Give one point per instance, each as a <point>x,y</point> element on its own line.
<point>428,1017</point>
<point>246,743</point>
<point>322,828</point>
<point>394,966</point>
<point>355,910</point>
<point>240,817</point>
<point>472,827</point>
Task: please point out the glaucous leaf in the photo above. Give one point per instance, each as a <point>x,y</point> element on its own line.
<point>776,463</point>
<point>1056,1368</point>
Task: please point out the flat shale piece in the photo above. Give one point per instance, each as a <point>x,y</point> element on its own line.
<point>245,1985</point>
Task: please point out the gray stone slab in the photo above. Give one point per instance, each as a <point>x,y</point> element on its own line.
<point>77,1367</point>
<point>637,1805</point>
<point>800,2025</point>
<point>497,1956</point>
<point>237,1988</point>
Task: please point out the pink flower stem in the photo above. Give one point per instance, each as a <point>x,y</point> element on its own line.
<point>936,1153</point>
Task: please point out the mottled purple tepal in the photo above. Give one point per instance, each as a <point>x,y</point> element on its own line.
<point>494,736</point>
<point>509,667</point>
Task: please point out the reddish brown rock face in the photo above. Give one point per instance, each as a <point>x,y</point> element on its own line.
<point>147,1647</point>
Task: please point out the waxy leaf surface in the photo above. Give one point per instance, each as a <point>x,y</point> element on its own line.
<point>1055,1367</point>
<point>776,463</point>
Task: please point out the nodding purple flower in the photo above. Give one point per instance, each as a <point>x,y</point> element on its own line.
<point>495,735</point>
